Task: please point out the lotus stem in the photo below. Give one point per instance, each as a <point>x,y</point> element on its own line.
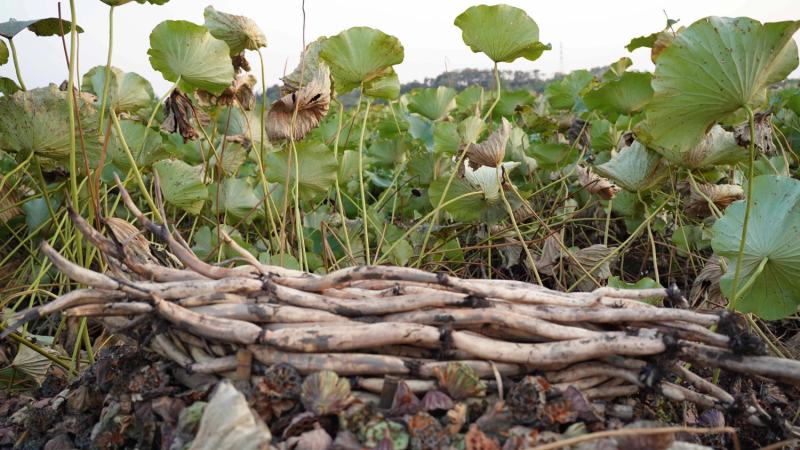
<point>16,64</point>
<point>364,211</point>
<point>499,90</point>
<point>748,204</point>
<point>107,78</point>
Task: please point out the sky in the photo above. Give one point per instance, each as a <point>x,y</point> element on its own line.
<point>583,34</point>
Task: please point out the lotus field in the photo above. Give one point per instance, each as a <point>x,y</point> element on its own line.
<point>610,262</point>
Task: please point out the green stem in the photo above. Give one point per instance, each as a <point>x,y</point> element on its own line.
<point>364,211</point>
<point>16,64</point>
<point>749,283</point>
<point>107,78</point>
<point>135,169</point>
<point>73,166</point>
<point>497,98</point>
<point>748,204</point>
<point>528,256</point>
<point>419,223</point>
<point>338,187</point>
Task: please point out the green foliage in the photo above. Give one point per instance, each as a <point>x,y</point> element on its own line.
<point>503,33</point>
<point>182,185</point>
<point>360,56</point>
<point>181,49</point>
<point>712,69</point>
<point>771,259</point>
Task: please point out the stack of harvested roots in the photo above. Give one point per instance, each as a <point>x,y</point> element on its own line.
<point>384,323</point>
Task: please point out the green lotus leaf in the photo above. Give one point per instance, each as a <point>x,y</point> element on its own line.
<point>563,94</point>
<point>551,156</point>
<point>634,168</point>
<point>37,121</point>
<point>128,91</point>
<point>717,147</point>
<point>503,33</point>
<point>433,103</point>
<point>467,209</point>
<point>470,129</point>
<point>307,69</point>
<point>239,32</point>
<point>711,70</point>
<point>358,55</point>
<point>182,184</point>
<point>3,53</point>
<point>144,154</point>
<point>470,98</point>
<point>509,102</point>
<point>237,198</point>
<point>617,69</point>
<point>316,164</point>
<point>41,27</point>
<point>183,49</point>
<point>8,86</point>
<point>626,95</point>
<point>445,138</point>
<point>386,86</point>
<point>773,239</point>
<point>233,156</point>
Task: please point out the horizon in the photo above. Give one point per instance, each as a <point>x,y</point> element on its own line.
<point>595,38</point>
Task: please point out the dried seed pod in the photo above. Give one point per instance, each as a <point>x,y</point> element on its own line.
<point>475,439</point>
<point>460,381</point>
<point>312,103</point>
<point>721,195</point>
<point>325,393</point>
<point>426,433</point>
<point>764,143</point>
<point>596,184</point>
<point>240,90</point>
<point>277,392</point>
<point>527,398</point>
<point>492,151</point>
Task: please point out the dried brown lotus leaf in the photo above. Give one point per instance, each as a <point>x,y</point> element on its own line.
<point>241,90</point>
<point>8,201</point>
<point>492,151</point>
<point>312,103</point>
<point>181,116</point>
<point>551,254</point>
<point>705,288</point>
<point>129,236</point>
<point>596,184</point>
<point>721,195</point>
<point>588,258</point>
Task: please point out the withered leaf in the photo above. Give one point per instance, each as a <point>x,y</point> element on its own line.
<point>311,102</point>
<point>492,151</point>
